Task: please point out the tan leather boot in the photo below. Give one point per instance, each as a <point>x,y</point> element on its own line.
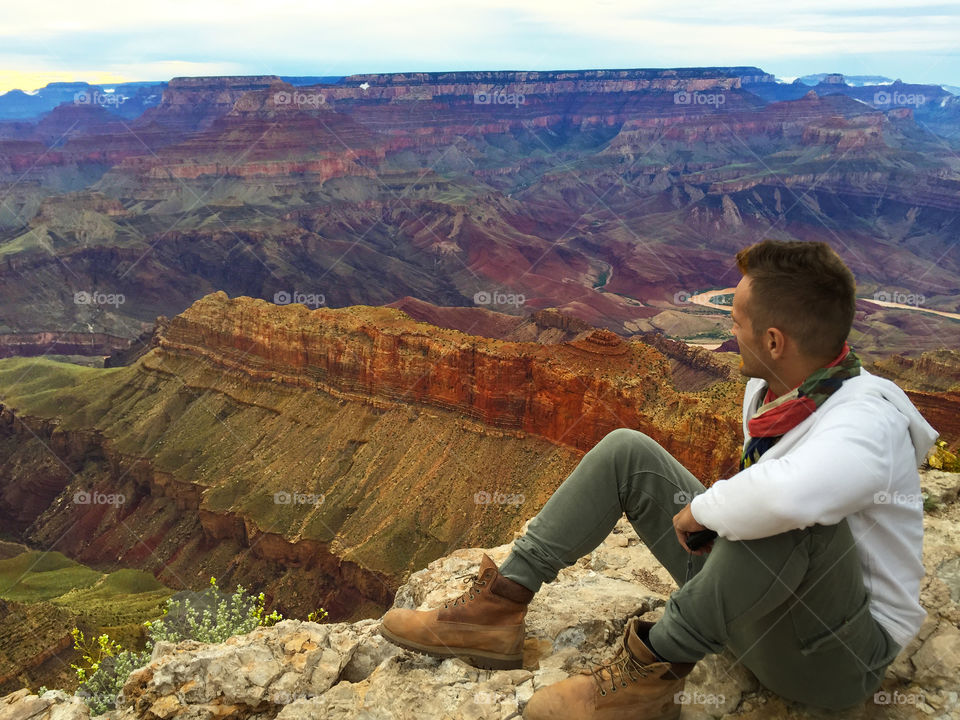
<point>632,686</point>
<point>483,627</point>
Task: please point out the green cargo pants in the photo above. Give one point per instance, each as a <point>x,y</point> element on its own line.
<point>791,607</point>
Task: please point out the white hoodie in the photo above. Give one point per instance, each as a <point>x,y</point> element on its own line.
<point>856,457</point>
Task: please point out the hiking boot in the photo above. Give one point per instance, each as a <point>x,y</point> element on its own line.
<point>634,685</point>
<point>483,627</point>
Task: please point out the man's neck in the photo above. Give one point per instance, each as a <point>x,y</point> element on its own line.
<point>786,380</point>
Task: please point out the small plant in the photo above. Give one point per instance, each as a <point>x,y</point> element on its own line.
<point>209,616</point>
<point>93,651</point>
<point>107,667</point>
<point>930,503</point>
<point>318,615</point>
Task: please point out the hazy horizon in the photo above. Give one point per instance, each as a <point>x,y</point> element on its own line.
<point>788,79</point>
<point>51,41</point>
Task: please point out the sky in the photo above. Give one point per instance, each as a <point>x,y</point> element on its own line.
<point>103,41</point>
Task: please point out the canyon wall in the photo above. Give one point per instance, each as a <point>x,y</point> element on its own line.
<point>571,393</point>
<point>322,455</point>
<point>605,194</point>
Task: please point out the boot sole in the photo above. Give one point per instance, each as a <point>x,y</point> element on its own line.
<point>477,658</point>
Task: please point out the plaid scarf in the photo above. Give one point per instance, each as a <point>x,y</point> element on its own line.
<point>776,417</point>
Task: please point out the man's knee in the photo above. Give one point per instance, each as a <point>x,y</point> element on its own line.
<point>633,450</point>
<point>624,440</point>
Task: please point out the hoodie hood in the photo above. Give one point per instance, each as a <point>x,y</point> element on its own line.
<point>922,434</point>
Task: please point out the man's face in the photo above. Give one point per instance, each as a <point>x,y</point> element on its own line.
<point>754,362</point>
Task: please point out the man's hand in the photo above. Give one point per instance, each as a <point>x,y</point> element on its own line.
<point>684,523</point>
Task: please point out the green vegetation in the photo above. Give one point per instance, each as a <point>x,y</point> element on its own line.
<point>48,593</point>
<point>209,616</point>
<point>110,599</point>
<point>710,335</point>
<point>24,243</point>
<point>49,388</point>
<point>930,504</point>
<point>118,617</point>
<point>34,576</point>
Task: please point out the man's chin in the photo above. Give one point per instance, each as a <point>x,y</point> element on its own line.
<point>745,371</point>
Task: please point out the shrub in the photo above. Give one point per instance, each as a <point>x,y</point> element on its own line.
<point>209,616</point>
<point>108,666</point>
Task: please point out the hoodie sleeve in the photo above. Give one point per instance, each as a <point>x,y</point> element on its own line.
<point>834,472</point>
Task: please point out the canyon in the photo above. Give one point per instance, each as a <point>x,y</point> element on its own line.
<point>605,194</point>
<point>322,455</point>
<point>322,333</point>
<point>262,443</point>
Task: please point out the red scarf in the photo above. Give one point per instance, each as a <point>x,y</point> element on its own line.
<point>778,415</point>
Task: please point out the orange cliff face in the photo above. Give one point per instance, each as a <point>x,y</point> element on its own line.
<point>322,455</point>
<point>570,393</point>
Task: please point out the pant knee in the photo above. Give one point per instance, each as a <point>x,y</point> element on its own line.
<point>622,440</point>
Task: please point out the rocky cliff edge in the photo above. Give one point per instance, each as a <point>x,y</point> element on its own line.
<point>300,670</point>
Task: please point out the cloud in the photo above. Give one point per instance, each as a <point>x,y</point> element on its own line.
<point>158,41</point>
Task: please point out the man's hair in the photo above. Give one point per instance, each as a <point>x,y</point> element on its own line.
<point>802,288</point>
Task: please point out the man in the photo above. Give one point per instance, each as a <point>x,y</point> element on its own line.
<point>813,580</point>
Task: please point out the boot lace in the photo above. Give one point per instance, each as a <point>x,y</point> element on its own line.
<point>469,592</point>
<point>623,665</point>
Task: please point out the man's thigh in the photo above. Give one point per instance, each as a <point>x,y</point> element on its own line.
<point>657,487</point>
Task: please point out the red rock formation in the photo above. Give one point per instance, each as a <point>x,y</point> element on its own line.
<point>691,368</point>
<point>932,381</point>
<point>373,392</point>
<point>942,410</point>
<point>409,184</point>
<point>558,392</point>
<point>473,321</point>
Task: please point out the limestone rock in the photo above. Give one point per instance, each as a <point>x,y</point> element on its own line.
<point>941,487</point>
<point>52,705</point>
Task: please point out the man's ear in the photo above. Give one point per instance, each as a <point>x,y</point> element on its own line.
<point>775,342</point>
